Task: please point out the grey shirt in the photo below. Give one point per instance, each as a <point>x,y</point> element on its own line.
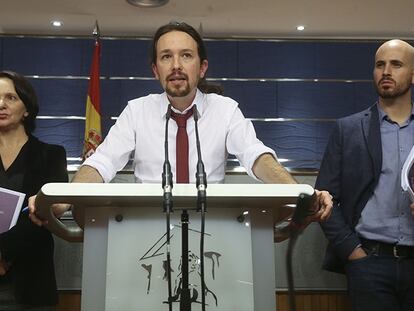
<point>387,215</point>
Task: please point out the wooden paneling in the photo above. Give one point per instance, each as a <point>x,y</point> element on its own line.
<point>69,301</point>
<point>315,301</point>
<point>305,301</point>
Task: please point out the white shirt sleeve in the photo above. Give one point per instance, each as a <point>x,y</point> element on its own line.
<point>115,151</point>
<point>243,142</point>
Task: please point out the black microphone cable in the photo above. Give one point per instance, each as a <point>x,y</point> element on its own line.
<point>167,185</point>
<point>201,184</point>
<point>303,209</point>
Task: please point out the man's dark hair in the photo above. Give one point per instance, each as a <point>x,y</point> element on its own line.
<point>176,26</point>
<point>28,96</point>
<point>203,85</point>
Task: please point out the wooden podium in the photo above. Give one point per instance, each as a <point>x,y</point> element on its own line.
<point>123,230</point>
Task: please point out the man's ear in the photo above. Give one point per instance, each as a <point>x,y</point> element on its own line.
<point>155,71</point>
<point>203,68</point>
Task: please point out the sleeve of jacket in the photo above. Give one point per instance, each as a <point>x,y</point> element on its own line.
<point>342,238</point>
<point>26,237</point>
<point>57,168</point>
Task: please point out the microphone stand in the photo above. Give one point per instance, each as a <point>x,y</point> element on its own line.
<point>303,210</point>
<point>167,185</point>
<point>185,297</point>
<point>201,184</point>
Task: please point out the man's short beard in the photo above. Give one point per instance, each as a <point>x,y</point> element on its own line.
<point>178,92</point>
<point>399,91</point>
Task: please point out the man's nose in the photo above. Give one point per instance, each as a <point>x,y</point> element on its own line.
<point>387,70</point>
<point>177,63</point>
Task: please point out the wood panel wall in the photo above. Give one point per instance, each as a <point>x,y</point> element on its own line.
<point>315,301</point>
<point>69,301</point>
<point>305,301</point>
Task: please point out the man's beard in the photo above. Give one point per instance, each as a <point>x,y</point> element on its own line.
<point>174,90</point>
<point>178,92</point>
<point>398,91</point>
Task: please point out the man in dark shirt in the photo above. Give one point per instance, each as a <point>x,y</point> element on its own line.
<point>371,230</point>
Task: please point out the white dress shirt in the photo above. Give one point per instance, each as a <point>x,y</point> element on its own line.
<point>140,129</point>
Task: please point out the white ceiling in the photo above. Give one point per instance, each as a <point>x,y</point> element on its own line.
<point>219,18</point>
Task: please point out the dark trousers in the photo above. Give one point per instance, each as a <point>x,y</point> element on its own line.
<point>8,303</point>
<point>381,282</point>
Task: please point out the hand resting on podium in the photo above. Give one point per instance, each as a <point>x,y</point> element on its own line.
<point>266,168</point>
<point>269,170</point>
<point>86,174</point>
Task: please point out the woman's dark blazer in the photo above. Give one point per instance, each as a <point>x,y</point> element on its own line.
<point>27,246</point>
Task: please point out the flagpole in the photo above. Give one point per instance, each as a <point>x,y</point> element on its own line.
<point>96,32</point>
<point>93,132</point>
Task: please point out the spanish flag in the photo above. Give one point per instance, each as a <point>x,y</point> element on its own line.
<point>93,134</point>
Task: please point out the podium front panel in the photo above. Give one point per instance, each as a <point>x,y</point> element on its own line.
<point>136,255</point>
<point>113,255</point>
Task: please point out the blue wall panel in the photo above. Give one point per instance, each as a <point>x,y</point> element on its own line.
<point>259,59</point>
<point>60,97</point>
<point>306,81</point>
<point>306,60</point>
<point>67,133</point>
<point>115,94</point>
<point>256,99</point>
<point>318,100</point>
<point>344,60</point>
<point>297,141</point>
<point>365,95</point>
<point>38,56</point>
<point>125,58</point>
<point>222,58</point>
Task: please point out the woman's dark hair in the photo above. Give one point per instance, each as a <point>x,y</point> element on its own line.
<point>203,85</point>
<point>28,96</point>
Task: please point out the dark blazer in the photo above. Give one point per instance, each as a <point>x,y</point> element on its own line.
<point>29,247</point>
<point>350,171</point>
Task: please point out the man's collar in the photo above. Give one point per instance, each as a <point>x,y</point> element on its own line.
<point>383,115</point>
<point>199,100</point>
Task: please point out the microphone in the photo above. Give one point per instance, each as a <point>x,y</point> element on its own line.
<point>201,184</point>
<point>297,223</point>
<point>304,208</point>
<point>201,177</point>
<point>167,185</point>
<point>167,176</point>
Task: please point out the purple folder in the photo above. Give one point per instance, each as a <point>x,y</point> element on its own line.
<point>10,206</point>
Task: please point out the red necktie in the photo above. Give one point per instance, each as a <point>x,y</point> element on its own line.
<point>181,151</point>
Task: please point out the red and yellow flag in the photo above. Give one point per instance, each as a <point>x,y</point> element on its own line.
<point>93,134</point>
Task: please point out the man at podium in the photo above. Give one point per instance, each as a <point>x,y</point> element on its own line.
<point>179,62</point>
